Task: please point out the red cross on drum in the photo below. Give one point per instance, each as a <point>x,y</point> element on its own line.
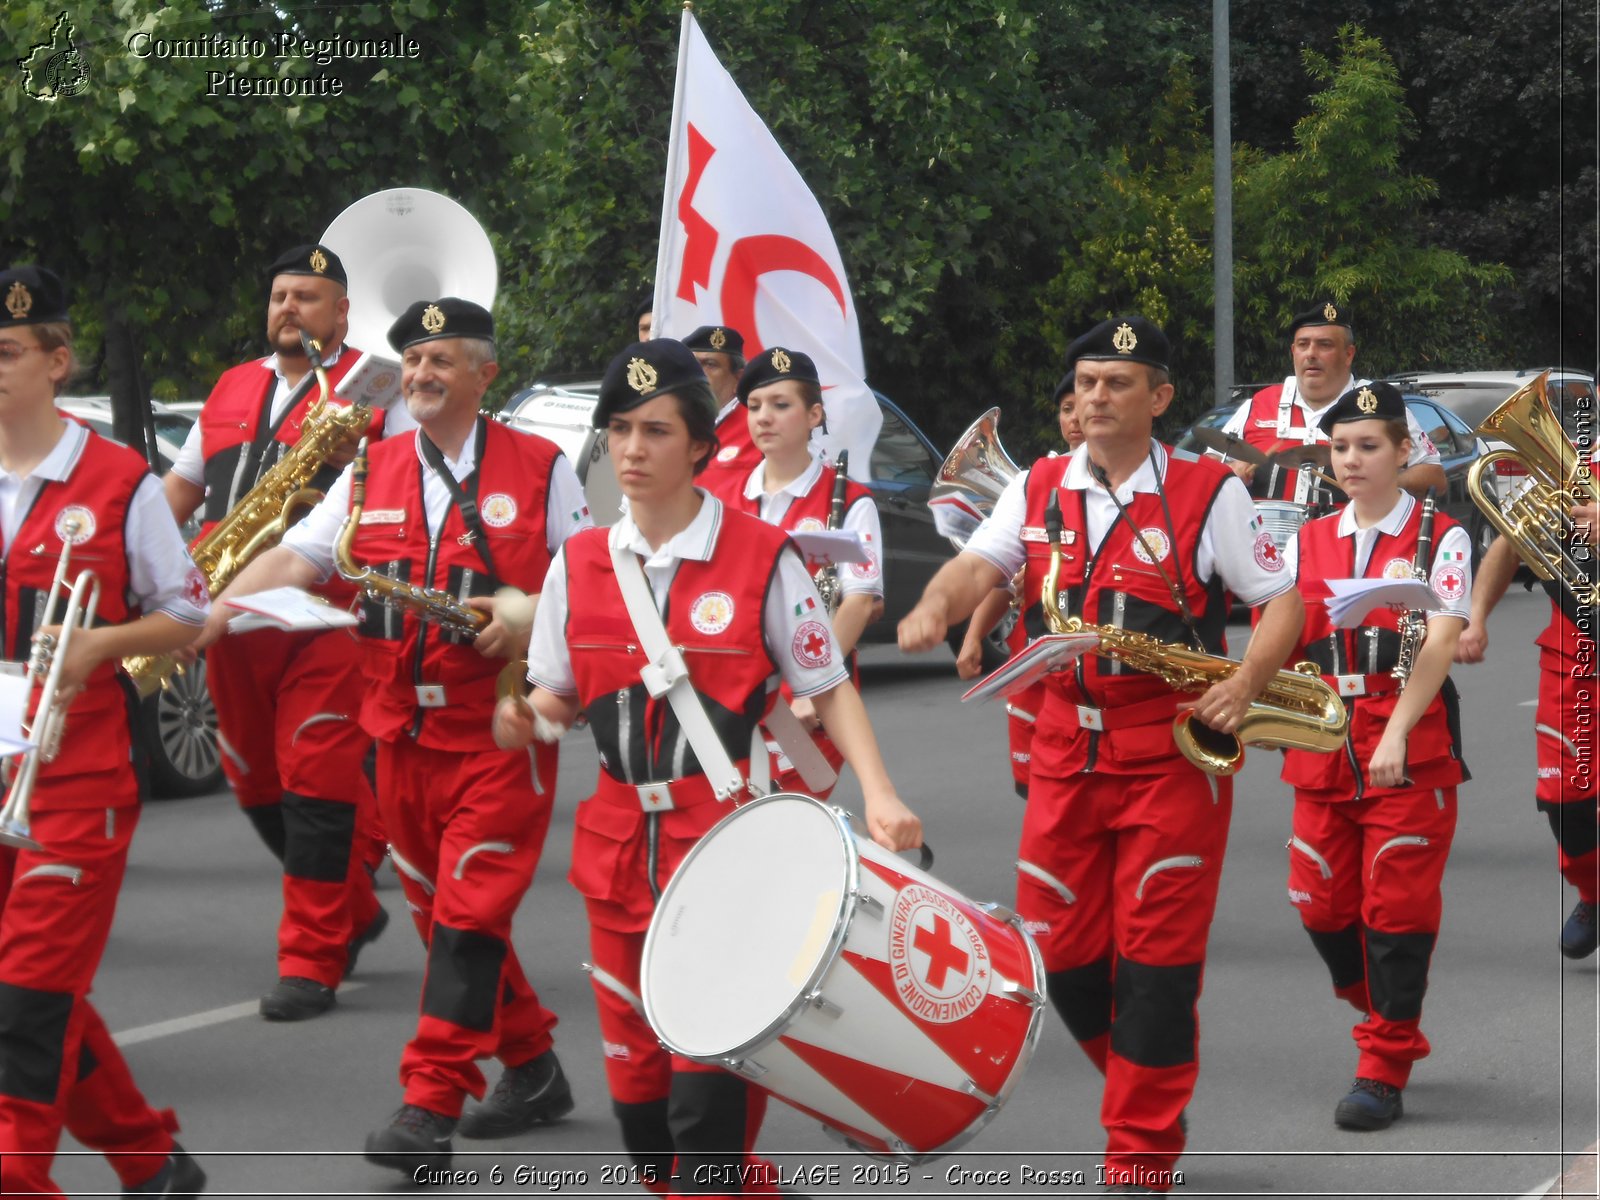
<point>847,982</point>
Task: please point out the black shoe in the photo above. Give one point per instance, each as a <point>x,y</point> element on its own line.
<point>180,1177</point>
<point>1580,935</point>
<point>365,938</point>
<point>295,999</point>
<point>529,1095</point>
<point>414,1137</point>
<point>1370,1105</point>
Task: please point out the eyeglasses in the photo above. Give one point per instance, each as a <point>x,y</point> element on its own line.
<point>11,351</point>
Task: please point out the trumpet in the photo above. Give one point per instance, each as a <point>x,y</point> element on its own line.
<point>46,658</point>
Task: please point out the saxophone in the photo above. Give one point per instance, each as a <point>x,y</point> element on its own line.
<point>1297,709</point>
<point>828,577</point>
<point>267,510</point>
<point>1414,625</point>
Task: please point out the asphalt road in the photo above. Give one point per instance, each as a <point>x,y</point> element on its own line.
<point>282,1110</point>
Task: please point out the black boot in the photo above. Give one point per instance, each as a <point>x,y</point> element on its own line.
<point>648,1140</point>
<point>532,1094</point>
<point>414,1137</point>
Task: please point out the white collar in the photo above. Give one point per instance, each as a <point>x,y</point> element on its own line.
<point>756,485</point>
<point>63,457</point>
<point>1143,479</point>
<point>459,467</point>
<point>1393,522</point>
<point>270,362</point>
<point>697,541</point>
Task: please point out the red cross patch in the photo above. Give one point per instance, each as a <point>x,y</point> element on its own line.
<point>1267,553</point>
<point>813,645</point>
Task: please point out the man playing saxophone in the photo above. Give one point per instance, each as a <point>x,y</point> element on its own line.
<point>292,748</point>
<point>1123,839</point>
<point>462,507</point>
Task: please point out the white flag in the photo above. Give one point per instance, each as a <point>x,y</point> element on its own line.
<point>745,244</point>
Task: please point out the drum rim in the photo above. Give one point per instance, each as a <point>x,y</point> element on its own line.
<point>733,1057</point>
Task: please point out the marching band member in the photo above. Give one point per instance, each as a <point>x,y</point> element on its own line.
<point>60,484</point>
<point>1123,839</point>
<point>1373,825</point>
<point>1022,708</point>
<point>292,748</point>
<point>1563,723</point>
<point>741,607</point>
<point>463,505</point>
<point>720,353</point>
<point>1322,345</point>
<point>793,488</point>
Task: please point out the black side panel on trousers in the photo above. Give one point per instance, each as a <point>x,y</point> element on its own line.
<point>1342,952</point>
<point>1573,824</point>
<point>268,822</point>
<point>1397,972</point>
<point>33,1034</point>
<point>647,1138</point>
<point>463,977</point>
<point>1155,1023</point>
<point>1082,995</point>
<point>706,1114</point>
<point>317,835</point>
<point>87,1062</point>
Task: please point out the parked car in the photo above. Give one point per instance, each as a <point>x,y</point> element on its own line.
<point>904,463</point>
<point>176,727</point>
<point>1473,395</point>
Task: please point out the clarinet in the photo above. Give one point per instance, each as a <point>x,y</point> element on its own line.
<point>1414,625</point>
<point>828,577</point>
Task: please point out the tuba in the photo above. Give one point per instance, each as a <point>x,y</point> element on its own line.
<point>1297,709</point>
<point>1535,520</point>
<point>974,474</point>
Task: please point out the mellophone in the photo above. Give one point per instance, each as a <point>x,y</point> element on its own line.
<point>848,983</point>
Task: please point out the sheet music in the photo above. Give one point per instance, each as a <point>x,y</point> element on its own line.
<point>1053,652</point>
<point>14,692</point>
<point>286,608</point>
<point>1353,599</point>
<point>374,381</point>
<point>827,547</point>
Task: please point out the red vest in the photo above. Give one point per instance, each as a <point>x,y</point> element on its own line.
<point>1261,431</point>
<point>232,419</point>
<point>1114,586</point>
<point>813,507</point>
<point>713,615</point>
<point>513,478</point>
<point>1433,750</point>
<point>735,458</point>
<point>99,492</point>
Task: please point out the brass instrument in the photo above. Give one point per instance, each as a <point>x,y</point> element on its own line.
<point>828,577</point>
<point>1297,709</point>
<point>267,510</point>
<point>1536,520</point>
<point>971,479</point>
<point>46,658</point>
<point>1414,625</point>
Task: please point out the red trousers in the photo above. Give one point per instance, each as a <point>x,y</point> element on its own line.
<point>287,705</point>
<point>1117,883</point>
<point>1022,710</point>
<point>58,1064</point>
<point>466,829</point>
<point>1564,728</point>
<point>1365,875</point>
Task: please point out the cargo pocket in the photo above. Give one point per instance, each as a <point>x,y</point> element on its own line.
<point>608,855</point>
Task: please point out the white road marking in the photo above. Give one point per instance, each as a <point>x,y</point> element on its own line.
<point>1542,1190</point>
<point>217,1016</point>
<point>1527,703</point>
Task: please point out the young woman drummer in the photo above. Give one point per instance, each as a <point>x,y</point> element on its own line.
<point>795,489</point>
<point>1373,824</point>
<point>739,606</point>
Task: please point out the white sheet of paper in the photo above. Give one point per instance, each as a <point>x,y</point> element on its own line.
<point>374,381</point>
<point>1353,599</point>
<point>14,691</point>
<point>826,547</point>
<point>1052,652</point>
<point>286,608</point>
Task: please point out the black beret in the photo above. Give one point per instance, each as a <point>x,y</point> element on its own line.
<point>774,364</point>
<point>1069,383</point>
<point>648,304</point>
<point>31,296</point>
<point>716,339</point>
<point>646,370</point>
<point>1122,339</point>
<point>1369,402</point>
<point>447,317</point>
<point>310,259</point>
<point>1326,313</point>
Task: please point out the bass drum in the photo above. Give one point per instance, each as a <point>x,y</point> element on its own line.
<point>842,979</point>
<point>563,415</point>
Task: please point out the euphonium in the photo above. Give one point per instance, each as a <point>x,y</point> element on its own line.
<point>267,510</point>
<point>971,479</point>
<point>1535,519</point>
<point>1297,709</point>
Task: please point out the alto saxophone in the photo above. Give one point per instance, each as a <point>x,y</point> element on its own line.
<point>1297,709</point>
<point>1414,625</point>
<point>267,510</point>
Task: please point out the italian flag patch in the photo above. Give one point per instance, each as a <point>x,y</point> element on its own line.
<point>805,606</point>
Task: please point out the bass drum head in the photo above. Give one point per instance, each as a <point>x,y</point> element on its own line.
<point>563,416</point>
<point>747,922</point>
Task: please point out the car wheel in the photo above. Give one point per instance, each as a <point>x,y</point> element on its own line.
<point>180,736</point>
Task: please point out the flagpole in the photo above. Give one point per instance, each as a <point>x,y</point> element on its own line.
<point>663,282</point>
